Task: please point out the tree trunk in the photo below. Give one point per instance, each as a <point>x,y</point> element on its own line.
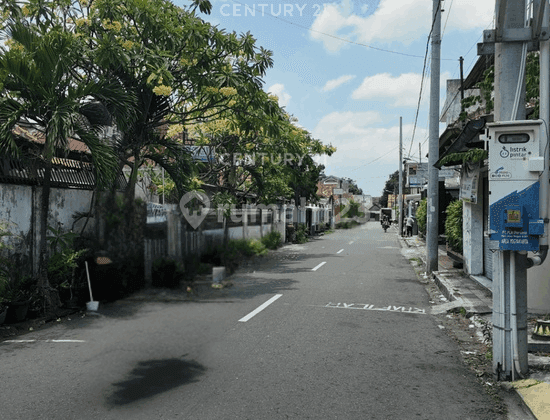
<point>51,299</point>
<point>131,187</point>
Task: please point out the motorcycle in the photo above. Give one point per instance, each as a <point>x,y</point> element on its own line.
<point>385,226</point>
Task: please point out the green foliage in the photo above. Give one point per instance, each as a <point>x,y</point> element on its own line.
<point>453,225</point>
<point>61,266</point>
<point>421,215</point>
<point>348,224</point>
<point>532,75</point>
<point>5,262</point>
<point>223,201</point>
<point>392,187</point>
<point>166,272</point>
<point>472,155</point>
<point>14,284</point>
<point>19,288</point>
<point>301,234</point>
<point>352,210</point>
<point>272,240</point>
<point>487,87</point>
<point>64,260</point>
<point>248,247</point>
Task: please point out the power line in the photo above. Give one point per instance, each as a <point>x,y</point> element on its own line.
<point>336,37</point>
<point>385,154</point>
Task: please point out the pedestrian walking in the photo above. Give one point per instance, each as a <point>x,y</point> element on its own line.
<point>410,224</point>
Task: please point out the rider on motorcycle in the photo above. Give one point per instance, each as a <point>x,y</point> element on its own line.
<point>385,223</point>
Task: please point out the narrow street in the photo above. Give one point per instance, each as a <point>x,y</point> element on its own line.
<point>338,328</point>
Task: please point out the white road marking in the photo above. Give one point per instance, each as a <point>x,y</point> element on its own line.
<point>350,242</point>
<point>368,307</point>
<point>318,266</point>
<point>259,308</point>
<point>340,250</point>
<point>45,341</point>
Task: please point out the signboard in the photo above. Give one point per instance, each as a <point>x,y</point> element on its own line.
<point>201,153</point>
<point>469,183</point>
<point>156,213</point>
<point>416,181</point>
<point>338,191</point>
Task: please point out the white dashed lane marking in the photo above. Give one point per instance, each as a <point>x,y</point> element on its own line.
<point>318,266</point>
<point>259,308</point>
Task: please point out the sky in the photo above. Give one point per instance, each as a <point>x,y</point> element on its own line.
<point>349,70</point>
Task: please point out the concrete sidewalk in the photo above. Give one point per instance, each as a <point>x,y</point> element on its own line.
<point>475,296</point>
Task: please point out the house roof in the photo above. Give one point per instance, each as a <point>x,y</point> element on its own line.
<point>38,137</point>
<point>73,170</point>
<point>468,138</point>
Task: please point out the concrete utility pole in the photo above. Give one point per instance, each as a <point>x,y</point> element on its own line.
<point>432,263</point>
<point>509,90</point>
<point>400,224</point>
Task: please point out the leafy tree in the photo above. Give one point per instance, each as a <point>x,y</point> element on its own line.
<point>354,188</point>
<point>183,70</point>
<point>250,162</point>
<point>392,187</point>
<point>43,88</point>
<point>453,225</point>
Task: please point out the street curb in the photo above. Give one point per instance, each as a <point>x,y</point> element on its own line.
<point>535,396</point>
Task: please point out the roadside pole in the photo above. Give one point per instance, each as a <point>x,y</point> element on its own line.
<point>432,263</point>
<point>509,90</point>
<point>400,224</point>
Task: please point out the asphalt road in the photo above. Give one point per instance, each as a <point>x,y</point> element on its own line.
<point>338,328</point>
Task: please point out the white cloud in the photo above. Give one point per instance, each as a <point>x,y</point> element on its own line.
<point>402,90</point>
<point>366,151</point>
<point>396,20</point>
<point>278,89</point>
<point>334,83</point>
<point>399,91</point>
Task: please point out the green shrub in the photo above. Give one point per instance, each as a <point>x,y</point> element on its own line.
<point>421,215</point>
<point>235,251</point>
<point>301,234</point>
<point>348,224</point>
<point>453,225</point>
<point>249,247</point>
<point>166,272</point>
<point>273,240</point>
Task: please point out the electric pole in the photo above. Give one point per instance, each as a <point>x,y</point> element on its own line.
<point>509,302</point>
<point>432,263</point>
<point>400,223</point>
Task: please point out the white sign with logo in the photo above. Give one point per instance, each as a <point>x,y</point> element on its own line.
<point>469,183</point>
<point>338,191</point>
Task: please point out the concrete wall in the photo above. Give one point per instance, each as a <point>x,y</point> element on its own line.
<point>20,210</point>
<point>472,238</point>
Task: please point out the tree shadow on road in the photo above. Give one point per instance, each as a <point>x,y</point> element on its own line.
<point>152,377</point>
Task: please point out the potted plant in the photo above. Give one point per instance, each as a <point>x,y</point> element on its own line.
<point>18,292</point>
<point>3,304</point>
<point>5,264</point>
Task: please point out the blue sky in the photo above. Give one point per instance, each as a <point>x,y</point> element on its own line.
<point>351,95</point>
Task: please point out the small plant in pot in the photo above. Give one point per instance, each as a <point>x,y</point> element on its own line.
<point>3,303</point>
<point>5,264</point>
<point>18,293</point>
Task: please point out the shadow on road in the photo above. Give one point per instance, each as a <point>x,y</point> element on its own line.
<point>153,377</point>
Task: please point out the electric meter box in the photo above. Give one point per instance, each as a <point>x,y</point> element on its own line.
<point>515,166</point>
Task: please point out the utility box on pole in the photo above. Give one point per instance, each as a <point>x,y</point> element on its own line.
<point>515,166</point>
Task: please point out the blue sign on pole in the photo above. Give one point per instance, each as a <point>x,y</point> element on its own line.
<point>515,222</point>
